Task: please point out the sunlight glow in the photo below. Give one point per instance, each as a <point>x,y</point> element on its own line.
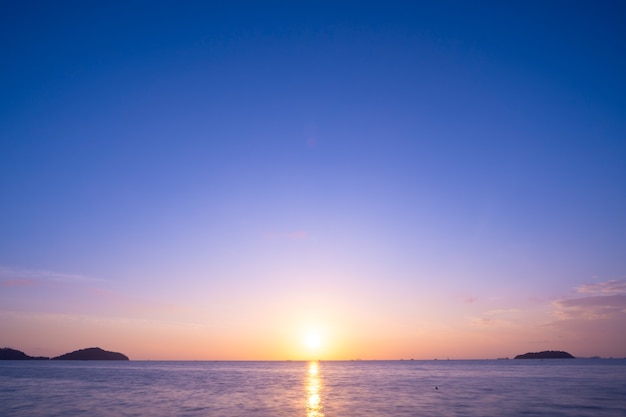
<point>314,406</point>
<point>313,341</point>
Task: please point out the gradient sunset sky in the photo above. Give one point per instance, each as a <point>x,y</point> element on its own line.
<point>189,180</point>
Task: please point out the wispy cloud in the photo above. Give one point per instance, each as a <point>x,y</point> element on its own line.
<point>594,301</point>
<point>601,288</point>
<point>497,317</point>
<point>289,235</point>
<point>114,320</point>
<point>489,321</point>
<point>593,318</point>
<point>136,306</point>
<point>17,282</point>
<point>54,291</point>
<point>501,311</point>
<point>35,276</point>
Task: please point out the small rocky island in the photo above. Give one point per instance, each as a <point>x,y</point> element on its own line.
<point>546,354</point>
<point>89,354</point>
<point>92,354</point>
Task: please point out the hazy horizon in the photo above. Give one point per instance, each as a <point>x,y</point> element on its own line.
<point>312,359</point>
<point>316,180</point>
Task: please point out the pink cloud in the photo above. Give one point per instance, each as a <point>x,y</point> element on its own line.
<point>292,235</point>
<point>41,276</point>
<point>593,307</point>
<point>484,321</point>
<point>497,317</point>
<point>604,300</point>
<point>298,235</point>
<point>102,293</point>
<point>607,287</point>
<point>127,304</point>
<point>594,318</point>
<point>18,282</point>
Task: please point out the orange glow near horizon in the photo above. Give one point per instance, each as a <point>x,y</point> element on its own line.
<point>301,333</point>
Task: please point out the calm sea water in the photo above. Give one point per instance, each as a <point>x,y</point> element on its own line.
<point>579,387</point>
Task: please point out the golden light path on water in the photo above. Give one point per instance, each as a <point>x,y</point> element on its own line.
<point>314,407</point>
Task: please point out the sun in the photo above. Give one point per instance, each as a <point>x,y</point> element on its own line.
<point>313,340</point>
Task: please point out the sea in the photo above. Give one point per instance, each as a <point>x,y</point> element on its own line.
<point>557,387</point>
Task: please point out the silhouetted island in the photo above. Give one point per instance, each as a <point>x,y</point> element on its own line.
<point>8,354</point>
<point>92,354</point>
<point>546,354</point>
<point>89,354</point>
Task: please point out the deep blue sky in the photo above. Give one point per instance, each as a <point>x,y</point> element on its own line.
<point>448,147</point>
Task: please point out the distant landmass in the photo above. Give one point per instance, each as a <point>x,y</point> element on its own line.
<point>8,354</point>
<point>89,354</point>
<point>92,354</point>
<point>546,354</point>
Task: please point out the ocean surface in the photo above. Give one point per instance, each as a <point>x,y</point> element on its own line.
<point>578,387</point>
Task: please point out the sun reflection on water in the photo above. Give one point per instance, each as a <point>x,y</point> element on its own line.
<point>314,406</point>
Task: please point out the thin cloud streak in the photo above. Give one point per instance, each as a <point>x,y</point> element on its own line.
<point>290,235</point>
<point>90,294</point>
<point>608,287</point>
<point>35,275</point>
<point>597,301</point>
<point>17,282</point>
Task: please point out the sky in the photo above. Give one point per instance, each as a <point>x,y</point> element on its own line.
<point>296,180</point>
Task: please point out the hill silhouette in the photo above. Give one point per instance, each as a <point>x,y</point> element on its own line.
<point>92,354</point>
<point>546,354</point>
<point>8,354</point>
<point>89,354</point>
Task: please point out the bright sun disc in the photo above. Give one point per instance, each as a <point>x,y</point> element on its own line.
<point>313,341</point>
